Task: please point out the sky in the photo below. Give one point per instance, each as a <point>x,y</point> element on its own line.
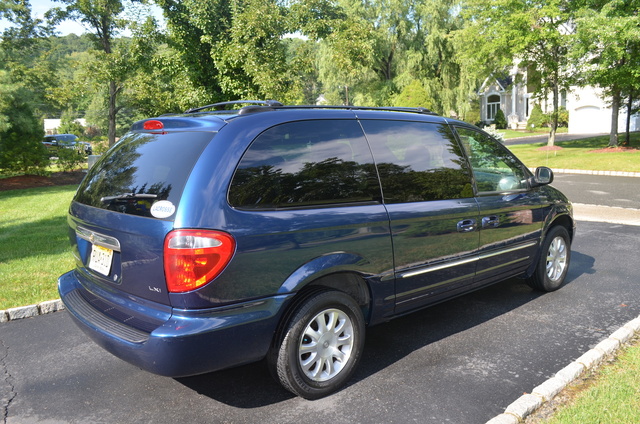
<point>39,7</point>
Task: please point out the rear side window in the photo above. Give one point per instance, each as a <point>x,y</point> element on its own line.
<point>141,170</point>
<point>306,164</point>
<point>418,161</point>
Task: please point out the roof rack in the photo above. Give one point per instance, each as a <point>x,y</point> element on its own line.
<point>265,105</point>
<point>389,108</point>
<point>223,105</point>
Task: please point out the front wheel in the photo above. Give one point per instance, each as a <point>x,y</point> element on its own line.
<point>554,261</point>
<point>320,346</point>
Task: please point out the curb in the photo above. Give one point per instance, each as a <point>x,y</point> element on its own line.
<point>528,403</point>
<point>602,173</point>
<point>42,308</point>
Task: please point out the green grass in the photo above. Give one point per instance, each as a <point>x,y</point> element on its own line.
<point>610,395</point>
<point>579,154</point>
<point>34,244</point>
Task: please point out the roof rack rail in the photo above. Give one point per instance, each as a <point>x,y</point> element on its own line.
<point>389,108</point>
<point>223,105</point>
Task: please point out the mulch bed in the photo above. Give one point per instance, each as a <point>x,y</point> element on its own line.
<point>31,181</point>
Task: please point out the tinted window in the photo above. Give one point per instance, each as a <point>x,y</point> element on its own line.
<point>304,164</point>
<point>141,170</point>
<point>418,161</point>
<point>495,169</point>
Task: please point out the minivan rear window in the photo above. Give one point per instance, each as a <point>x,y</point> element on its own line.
<point>141,170</point>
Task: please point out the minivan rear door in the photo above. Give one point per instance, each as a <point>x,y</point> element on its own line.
<point>428,193</point>
<point>126,205</point>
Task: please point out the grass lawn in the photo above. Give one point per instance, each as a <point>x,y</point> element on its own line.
<point>581,154</point>
<point>609,395</point>
<point>34,244</point>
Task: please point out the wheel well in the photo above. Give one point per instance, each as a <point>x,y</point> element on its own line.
<point>349,283</point>
<point>566,222</point>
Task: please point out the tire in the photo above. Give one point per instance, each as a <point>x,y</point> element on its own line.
<point>553,264</point>
<point>320,345</point>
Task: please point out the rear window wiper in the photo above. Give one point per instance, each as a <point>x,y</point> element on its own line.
<point>127,196</point>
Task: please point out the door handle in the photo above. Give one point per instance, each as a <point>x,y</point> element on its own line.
<point>466,225</point>
<point>490,221</point>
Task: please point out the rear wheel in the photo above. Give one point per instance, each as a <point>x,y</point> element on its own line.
<point>320,345</point>
<point>554,261</point>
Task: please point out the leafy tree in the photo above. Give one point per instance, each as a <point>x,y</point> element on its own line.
<point>608,34</point>
<point>101,17</point>
<point>194,30</point>
<point>69,124</point>
<point>536,33</point>
<point>21,133</point>
<point>414,95</point>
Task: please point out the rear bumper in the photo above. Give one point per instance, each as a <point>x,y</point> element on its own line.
<point>180,342</point>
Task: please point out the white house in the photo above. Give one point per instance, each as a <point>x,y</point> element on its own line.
<point>51,125</point>
<point>588,112</point>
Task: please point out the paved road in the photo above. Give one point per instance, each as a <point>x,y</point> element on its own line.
<point>622,192</point>
<point>461,362</point>
<point>543,138</point>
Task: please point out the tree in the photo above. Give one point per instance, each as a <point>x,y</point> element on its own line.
<point>414,95</point>
<point>382,47</point>
<point>69,124</point>
<point>102,19</point>
<point>21,132</point>
<point>608,45</point>
<point>536,33</point>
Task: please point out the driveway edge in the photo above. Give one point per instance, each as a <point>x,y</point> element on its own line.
<point>528,403</point>
<point>42,308</point>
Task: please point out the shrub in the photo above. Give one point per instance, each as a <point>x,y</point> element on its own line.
<point>70,159</point>
<point>495,134</point>
<point>563,117</point>
<point>21,148</point>
<point>537,119</point>
<point>499,120</point>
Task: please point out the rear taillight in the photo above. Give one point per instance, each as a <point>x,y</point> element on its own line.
<point>192,258</point>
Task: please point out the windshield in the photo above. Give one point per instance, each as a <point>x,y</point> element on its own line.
<point>143,174</point>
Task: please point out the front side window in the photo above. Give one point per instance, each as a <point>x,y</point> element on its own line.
<point>418,161</point>
<point>306,164</point>
<point>495,169</point>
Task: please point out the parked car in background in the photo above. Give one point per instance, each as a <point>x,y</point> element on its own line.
<point>67,141</point>
<point>215,238</point>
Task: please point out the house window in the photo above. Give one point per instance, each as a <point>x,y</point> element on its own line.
<point>493,104</point>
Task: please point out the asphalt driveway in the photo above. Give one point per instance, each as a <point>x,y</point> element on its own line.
<point>462,361</point>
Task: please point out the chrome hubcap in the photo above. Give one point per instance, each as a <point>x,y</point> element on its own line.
<point>556,258</point>
<point>326,345</point>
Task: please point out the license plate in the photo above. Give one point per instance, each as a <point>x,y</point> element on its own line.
<point>100,260</point>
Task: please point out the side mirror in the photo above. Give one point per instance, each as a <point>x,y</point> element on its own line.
<point>543,176</point>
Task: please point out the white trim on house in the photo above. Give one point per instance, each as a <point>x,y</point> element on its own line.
<point>588,112</point>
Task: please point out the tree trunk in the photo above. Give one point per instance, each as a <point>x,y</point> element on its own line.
<point>615,109</point>
<point>113,92</point>
<point>627,138</point>
<point>554,119</point>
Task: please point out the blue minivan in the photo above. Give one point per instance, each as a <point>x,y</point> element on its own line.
<point>244,231</point>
